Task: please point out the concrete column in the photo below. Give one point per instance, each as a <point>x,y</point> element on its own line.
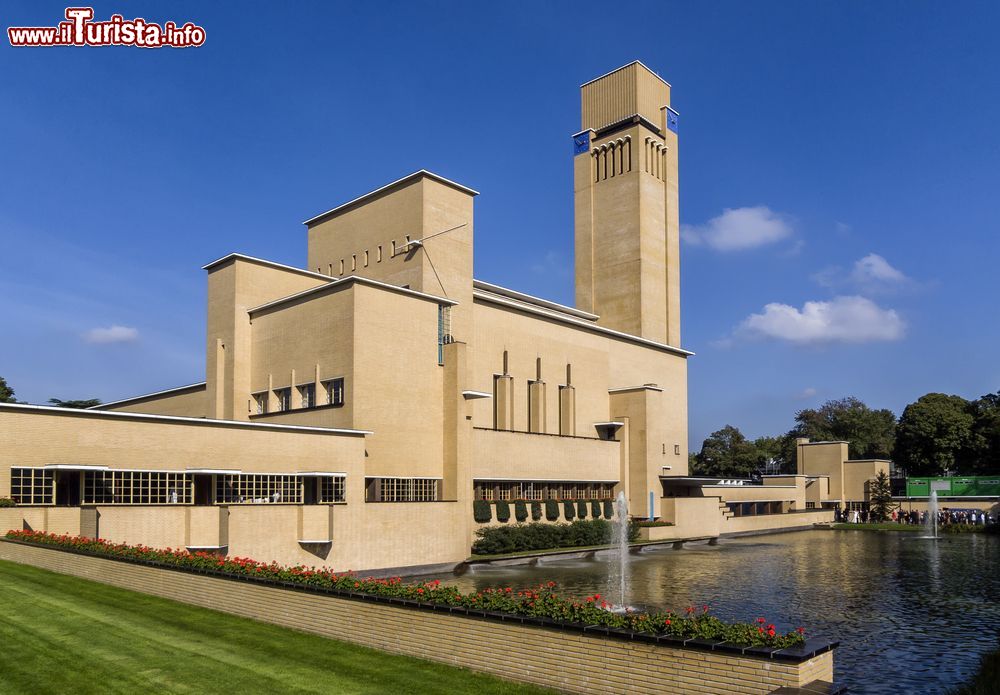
<point>567,410</point>
<point>536,406</point>
<point>503,402</point>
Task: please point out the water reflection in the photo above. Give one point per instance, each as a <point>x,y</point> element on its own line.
<point>912,615</point>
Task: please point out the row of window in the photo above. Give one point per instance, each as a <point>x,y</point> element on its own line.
<point>534,490</point>
<point>402,489</point>
<point>365,258</point>
<point>755,508</point>
<point>275,488</point>
<point>38,486</point>
<point>332,394</point>
<point>136,487</point>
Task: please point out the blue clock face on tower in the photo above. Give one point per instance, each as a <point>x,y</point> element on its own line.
<point>672,121</point>
<point>581,143</point>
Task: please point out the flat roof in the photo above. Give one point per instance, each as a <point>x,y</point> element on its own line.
<point>572,321</point>
<point>261,261</point>
<point>422,173</point>
<point>530,299</point>
<point>177,389</point>
<point>79,412</point>
<point>337,283</point>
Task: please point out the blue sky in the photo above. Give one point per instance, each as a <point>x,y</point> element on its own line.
<point>839,178</point>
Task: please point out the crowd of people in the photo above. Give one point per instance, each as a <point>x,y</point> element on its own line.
<point>946,516</point>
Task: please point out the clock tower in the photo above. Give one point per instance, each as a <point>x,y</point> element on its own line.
<point>627,229</point>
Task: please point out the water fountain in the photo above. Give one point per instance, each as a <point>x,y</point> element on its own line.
<point>618,568</point>
<point>932,515</point>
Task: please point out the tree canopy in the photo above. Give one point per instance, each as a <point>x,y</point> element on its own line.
<point>870,433</point>
<point>936,435</point>
<point>81,404</point>
<point>726,453</point>
<point>6,392</point>
<point>933,434</point>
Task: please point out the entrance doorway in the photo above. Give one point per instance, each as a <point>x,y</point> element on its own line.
<point>68,488</point>
<point>204,493</point>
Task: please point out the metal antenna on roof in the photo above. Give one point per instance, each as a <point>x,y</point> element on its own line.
<point>419,243</point>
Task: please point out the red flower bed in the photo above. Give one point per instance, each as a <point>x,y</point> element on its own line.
<point>542,602</point>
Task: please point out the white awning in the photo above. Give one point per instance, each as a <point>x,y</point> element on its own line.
<point>74,467</point>
<point>215,471</point>
<point>471,395</point>
<point>320,474</point>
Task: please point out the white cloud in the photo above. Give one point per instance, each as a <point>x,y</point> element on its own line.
<point>111,334</point>
<point>739,229</point>
<point>841,320</point>
<point>805,394</point>
<point>874,268</point>
<point>871,274</point>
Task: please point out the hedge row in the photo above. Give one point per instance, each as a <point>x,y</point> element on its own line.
<point>482,510</point>
<point>497,540</point>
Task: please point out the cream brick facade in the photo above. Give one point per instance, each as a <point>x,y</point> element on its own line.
<point>383,372</point>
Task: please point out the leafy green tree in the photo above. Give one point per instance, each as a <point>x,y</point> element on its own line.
<point>871,433</point>
<point>769,454</point>
<point>982,455</point>
<point>880,497</point>
<point>6,392</point>
<point>934,434</point>
<point>727,452</point>
<point>81,404</point>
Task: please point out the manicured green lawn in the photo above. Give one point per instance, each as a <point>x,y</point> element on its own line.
<point>60,634</point>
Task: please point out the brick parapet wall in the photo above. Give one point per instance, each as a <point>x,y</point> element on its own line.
<point>564,659</point>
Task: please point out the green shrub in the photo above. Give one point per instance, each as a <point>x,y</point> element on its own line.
<point>503,511</point>
<point>520,510</point>
<point>569,510</point>
<point>482,511</point>
<point>962,528</point>
<point>633,531</point>
<point>581,509</point>
<point>609,509</point>
<point>7,502</point>
<point>496,540</point>
<point>551,510</point>
<point>595,509</point>
<point>652,524</point>
<point>536,511</point>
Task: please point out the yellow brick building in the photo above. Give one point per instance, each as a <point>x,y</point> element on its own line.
<point>352,410</point>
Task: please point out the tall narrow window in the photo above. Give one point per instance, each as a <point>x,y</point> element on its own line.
<point>354,262</point>
<point>334,391</point>
<point>341,266</point>
<point>260,400</point>
<point>366,258</point>
<point>393,249</point>
<point>307,394</point>
<point>379,257</point>
<point>284,397</point>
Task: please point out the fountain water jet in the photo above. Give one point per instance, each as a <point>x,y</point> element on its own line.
<point>932,514</point>
<point>618,570</point>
